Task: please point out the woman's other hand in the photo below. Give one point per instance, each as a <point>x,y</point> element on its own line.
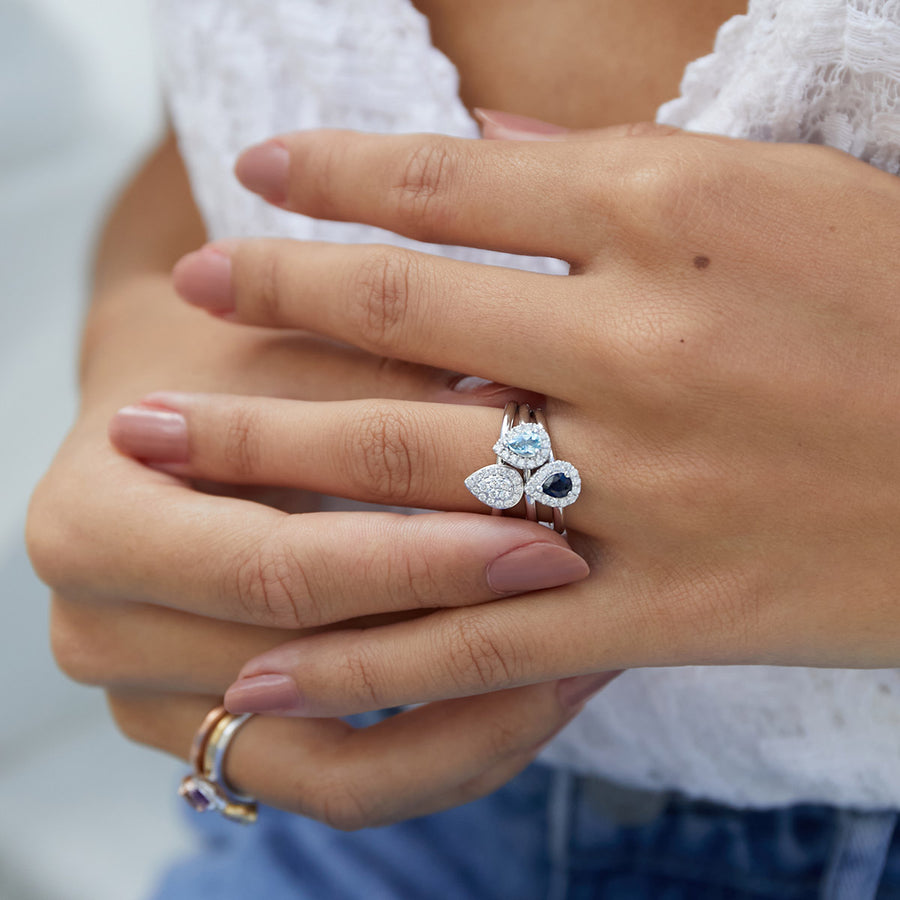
<point>161,591</point>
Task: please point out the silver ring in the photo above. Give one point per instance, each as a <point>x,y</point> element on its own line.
<point>220,751</point>
<point>556,484</point>
<point>510,417</point>
<point>526,467</point>
<point>558,516</point>
<point>531,512</point>
<point>500,485</point>
<point>205,789</point>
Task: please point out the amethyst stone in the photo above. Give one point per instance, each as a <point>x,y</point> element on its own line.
<point>201,795</point>
<point>199,800</point>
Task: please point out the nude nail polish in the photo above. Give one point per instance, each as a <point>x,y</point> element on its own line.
<point>535,567</point>
<point>573,692</point>
<point>264,169</point>
<point>263,694</point>
<point>155,435</point>
<point>203,278</point>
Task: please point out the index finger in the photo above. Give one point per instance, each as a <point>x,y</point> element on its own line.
<point>519,197</point>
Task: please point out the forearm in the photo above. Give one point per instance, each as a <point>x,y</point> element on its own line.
<point>138,334</point>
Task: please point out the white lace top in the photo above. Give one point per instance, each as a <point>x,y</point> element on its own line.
<point>239,71</point>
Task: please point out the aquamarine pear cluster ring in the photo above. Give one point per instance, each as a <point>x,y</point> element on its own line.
<point>526,467</point>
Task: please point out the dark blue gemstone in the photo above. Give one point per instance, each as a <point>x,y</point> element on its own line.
<point>557,485</point>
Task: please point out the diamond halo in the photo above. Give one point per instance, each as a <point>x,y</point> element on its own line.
<point>526,446</point>
<point>499,486</point>
<point>543,478</point>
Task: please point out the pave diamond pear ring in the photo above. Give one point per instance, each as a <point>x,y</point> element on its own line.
<point>524,444</point>
<point>500,486</point>
<point>205,788</point>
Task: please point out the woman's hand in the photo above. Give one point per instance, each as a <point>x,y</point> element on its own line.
<point>720,365</point>
<point>162,592</point>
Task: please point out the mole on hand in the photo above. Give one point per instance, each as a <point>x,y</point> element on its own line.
<point>701,262</point>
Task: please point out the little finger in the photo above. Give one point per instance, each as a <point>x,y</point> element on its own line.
<point>357,778</point>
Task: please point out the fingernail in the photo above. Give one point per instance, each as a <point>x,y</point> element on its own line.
<point>157,435</point>
<point>264,169</point>
<point>535,566</point>
<point>572,692</point>
<point>204,279</point>
<point>262,694</point>
<point>466,384</point>
<point>484,389</point>
<point>496,125</point>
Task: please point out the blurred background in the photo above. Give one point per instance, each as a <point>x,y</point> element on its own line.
<point>86,815</point>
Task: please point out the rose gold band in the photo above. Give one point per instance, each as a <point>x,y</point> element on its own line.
<point>205,788</point>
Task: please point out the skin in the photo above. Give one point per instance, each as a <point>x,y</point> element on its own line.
<point>737,463</point>
<point>740,476</point>
<point>579,63</point>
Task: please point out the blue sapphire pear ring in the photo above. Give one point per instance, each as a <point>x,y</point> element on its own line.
<point>526,467</point>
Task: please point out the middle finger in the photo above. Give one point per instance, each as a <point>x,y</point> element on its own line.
<point>399,303</point>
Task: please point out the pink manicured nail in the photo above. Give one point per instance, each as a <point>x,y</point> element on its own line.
<point>264,169</point>
<point>572,692</point>
<point>155,435</point>
<point>496,125</point>
<point>262,694</point>
<point>204,279</point>
<point>534,567</point>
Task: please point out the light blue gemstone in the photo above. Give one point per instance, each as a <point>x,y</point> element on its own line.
<point>525,444</point>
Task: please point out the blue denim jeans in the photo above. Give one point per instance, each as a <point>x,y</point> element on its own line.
<point>549,835</point>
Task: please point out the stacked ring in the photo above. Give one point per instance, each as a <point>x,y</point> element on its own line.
<point>206,788</point>
<point>524,444</point>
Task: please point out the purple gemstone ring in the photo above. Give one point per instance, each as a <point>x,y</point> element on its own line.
<point>206,788</point>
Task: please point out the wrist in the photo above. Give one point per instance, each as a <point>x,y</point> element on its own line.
<point>144,338</point>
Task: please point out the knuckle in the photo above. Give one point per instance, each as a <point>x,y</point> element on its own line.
<point>383,293</point>
<point>339,804</point>
<point>382,452</point>
<point>74,647</point>
<point>270,287</point>
<point>504,736</point>
<point>50,539</point>
<point>359,671</point>
<point>411,579</point>
<point>677,196</point>
<point>271,586</point>
<point>477,659</point>
<point>241,445</point>
<point>424,188</point>
<point>665,187</point>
